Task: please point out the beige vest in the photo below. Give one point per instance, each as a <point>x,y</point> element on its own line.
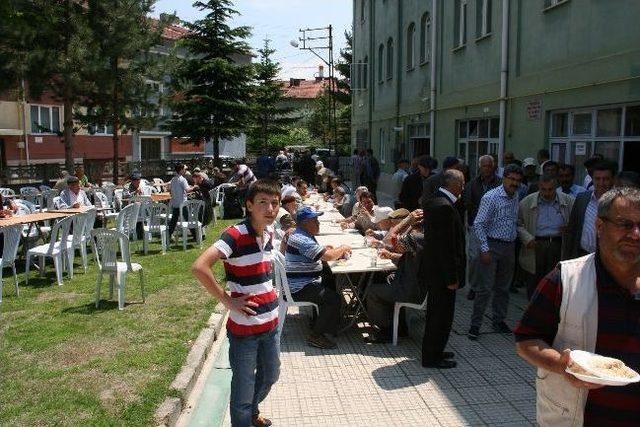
<point>560,404</point>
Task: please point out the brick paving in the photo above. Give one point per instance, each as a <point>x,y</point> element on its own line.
<point>364,385</point>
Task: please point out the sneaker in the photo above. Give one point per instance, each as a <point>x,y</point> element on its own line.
<point>320,341</point>
<point>502,328</point>
<point>471,295</point>
<point>474,333</point>
<point>260,421</point>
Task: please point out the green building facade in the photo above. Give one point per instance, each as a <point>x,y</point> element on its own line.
<point>564,76</point>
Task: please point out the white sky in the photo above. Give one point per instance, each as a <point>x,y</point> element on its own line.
<point>280,20</point>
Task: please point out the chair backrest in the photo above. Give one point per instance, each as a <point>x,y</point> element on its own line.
<point>194,212</point>
<point>116,199</point>
<point>60,232</point>
<point>7,192</point>
<point>155,215</point>
<point>48,196</point>
<point>108,191</point>
<point>212,196</point>
<point>127,218</point>
<point>106,244</point>
<point>219,198</point>
<point>44,188</point>
<point>101,200</point>
<point>11,236</point>
<point>280,274</point>
<point>158,181</point>
<point>29,191</point>
<point>89,223</point>
<point>78,221</point>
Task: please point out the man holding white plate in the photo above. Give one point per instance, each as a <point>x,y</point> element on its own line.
<point>589,303</point>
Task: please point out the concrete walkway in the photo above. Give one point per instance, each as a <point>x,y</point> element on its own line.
<point>365,385</point>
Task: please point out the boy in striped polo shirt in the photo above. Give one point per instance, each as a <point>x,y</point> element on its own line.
<point>245,250</point>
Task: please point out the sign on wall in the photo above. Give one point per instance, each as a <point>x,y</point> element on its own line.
<point>534,109</point>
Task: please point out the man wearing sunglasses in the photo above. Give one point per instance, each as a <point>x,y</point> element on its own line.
<point>589,303</point>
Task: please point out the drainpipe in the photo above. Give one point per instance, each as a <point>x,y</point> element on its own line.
<point>504,78</point>
<point>401,70</point>
<point>432,96</point>
<point>24,121</point>
<point>371,73</point>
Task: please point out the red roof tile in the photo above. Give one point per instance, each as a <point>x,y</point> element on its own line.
<point>303,89</point>
<point>174,32</point>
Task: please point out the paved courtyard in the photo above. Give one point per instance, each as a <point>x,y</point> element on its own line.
<point>366,385</point>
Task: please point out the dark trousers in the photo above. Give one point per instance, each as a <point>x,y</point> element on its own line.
<point>328,302</point>
<point>175,217</point>
<point>547,257</point>
<point>441,303</point>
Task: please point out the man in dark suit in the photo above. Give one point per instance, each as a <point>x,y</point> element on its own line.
<point>579,237</point>
<point>444,264</point>
<point>412,186</point>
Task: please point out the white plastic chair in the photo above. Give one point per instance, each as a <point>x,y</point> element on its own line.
<point>80,239</point>
<point>219,196</point>
<point>106,244</point>
<point>48,196</point>
<point>155,222</point>
<point>127,219</point>
<point>6,192</point>
<point>396,315</point>
<point>212,196</point>
<point>101,200</point>
<point>44,188</point>
<point>192,220</point>
<point>11,236</point>
<point>31,194</point>
<point>282,286</point>
<point>55,249</point>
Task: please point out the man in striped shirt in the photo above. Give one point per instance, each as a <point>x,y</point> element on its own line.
<point>245,250</point>
<point>539,335</point>
<point>304,257</point>
<point>496,228</point>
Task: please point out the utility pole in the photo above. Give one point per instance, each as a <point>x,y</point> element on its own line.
<point>317,39</point>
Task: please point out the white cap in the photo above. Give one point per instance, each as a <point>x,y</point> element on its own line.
<point>319,164</point>
<point>381,213</point>
<point>529,161</point>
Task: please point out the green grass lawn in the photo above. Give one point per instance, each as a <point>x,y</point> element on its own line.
<point>64,362</point>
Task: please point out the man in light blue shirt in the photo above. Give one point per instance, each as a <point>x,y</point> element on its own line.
<point>496,229</point>
<point>179,190</point>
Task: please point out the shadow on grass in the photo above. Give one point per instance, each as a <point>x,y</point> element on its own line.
<point>104,305</point>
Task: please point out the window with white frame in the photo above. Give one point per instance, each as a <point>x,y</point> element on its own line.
<point>381,63</point>
<point>390,58</point>
<point>477,138</point>
<point>425,38</point>
<point>460,23</point>
<point>101,129</point>
<point>45,119</point>
<point>577,134</point>
<point>483,18</point>
<point>411,42</point>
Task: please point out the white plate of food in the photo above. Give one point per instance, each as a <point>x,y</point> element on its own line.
<point>602,370</point>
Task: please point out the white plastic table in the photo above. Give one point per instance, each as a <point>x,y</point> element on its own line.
<point>356,241</point>
<point>361,261</point>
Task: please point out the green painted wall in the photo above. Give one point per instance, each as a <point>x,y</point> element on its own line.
<point>580,53</point>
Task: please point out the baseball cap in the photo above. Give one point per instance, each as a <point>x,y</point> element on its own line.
<point>135,175</point>
<point>381,213</point>
<point>307,212</point>
<point>399,213</point>
<point>529,161</point>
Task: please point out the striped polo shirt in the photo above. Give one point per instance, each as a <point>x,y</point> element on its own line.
<point>246,174</point>
<point>303,260</point>
<point>247,267</point>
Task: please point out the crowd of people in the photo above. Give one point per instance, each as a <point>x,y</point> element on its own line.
<point>525,222</point>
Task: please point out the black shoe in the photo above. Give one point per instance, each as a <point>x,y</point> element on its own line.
<point>374,338</point>
<point>471,295</point>
<point>474,333</point>
<point>320,341</point>
<point>502,328</point>
<point>448,355</point>
<point>440,364</point>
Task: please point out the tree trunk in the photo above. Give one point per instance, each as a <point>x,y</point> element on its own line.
<point>116,149</point>
<point>216,150</point>
<point>68,134</point>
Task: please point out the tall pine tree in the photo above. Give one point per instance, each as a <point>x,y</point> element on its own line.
<point>211,91</point>
<point>269,118</point>
<point>119,96</point>
<point>47,44</point>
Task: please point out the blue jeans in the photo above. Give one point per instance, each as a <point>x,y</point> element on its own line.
<point>255,367</point>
